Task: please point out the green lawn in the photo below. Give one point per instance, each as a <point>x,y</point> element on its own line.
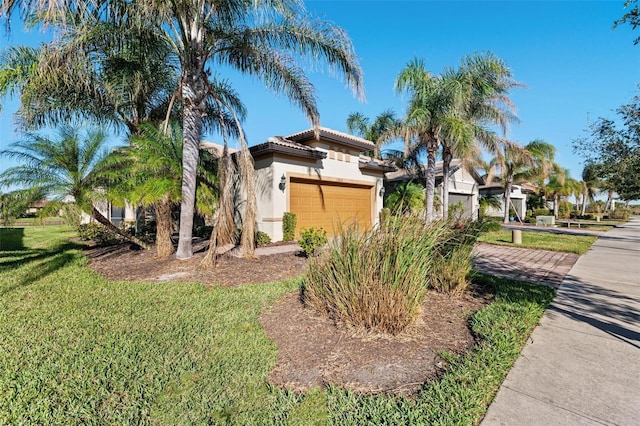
<point>77,349</point>
<point>542,240</point>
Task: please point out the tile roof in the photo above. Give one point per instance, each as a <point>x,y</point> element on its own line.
<point>333,135</point>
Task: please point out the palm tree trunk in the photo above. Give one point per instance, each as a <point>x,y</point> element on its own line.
<point>430,180</point>
<point>446,166</point>
<point>99,217</point>
<point>585,196</point>
<point>555,205</point>
<point>607,206</point>
<point>507,199</point>
<point>194,90</point>
<point>247,171</point>
<point>164,245</point>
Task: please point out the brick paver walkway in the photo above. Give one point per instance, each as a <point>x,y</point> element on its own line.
<point>538,266</point>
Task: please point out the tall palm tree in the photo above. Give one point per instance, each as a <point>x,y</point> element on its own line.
<point>517,164</point>
<point>71,165</point>
<point>380,131</point>
<point>590,184</point>
<point>486,81</point>
<point>434,105</point>
<point>260,38</point>
<point>560,185</point>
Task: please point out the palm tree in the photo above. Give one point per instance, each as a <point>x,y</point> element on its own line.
<point>590,184</point>
<point>486,81</point>
<point>435,102</point>
<point>258,38</point>
<point>518,164</point>
<point>560,185</point>
<point>152,174</point>
<point>379,132</point>
<point>405,197</point>
<point>69,166</point>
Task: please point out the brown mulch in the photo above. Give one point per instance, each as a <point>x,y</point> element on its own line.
<point>313,351</point>
<point>123,263</point>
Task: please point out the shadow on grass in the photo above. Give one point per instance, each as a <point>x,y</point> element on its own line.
<point>38,264</point>
<point>11,239</point>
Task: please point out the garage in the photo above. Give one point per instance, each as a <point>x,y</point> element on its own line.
<point>327,204</point>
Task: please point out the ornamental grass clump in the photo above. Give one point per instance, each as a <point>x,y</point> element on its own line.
<point>376,279</point>
<point>452,262</point>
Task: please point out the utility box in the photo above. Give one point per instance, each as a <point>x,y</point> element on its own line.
<point>545,221</point>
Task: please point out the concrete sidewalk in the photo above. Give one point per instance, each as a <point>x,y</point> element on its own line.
<point>582,363</point>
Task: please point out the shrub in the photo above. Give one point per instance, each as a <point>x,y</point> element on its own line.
<point>378,279</point>
<point>619,214</point>
<point>289,222</point>
<point>262,239</point>
<point>312,239</point>
<point>564,209</point>
<point>452,261</point>
<point>97,233</point>
<point>541,212</point>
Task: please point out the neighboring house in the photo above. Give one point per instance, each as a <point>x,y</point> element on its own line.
<point>464,184</point>
<point>325,182</point>
<point>35,208</point>
<point>518,198</point>
<point>113,213</point>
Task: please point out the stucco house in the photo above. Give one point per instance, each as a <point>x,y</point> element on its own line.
<point>518,198</point>
<point>325,181</point>
<point>464,184</point>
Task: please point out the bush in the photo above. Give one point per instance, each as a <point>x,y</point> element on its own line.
<point>262,239</point>
<point>97,233</point>
<point>312,239</point>
<point>379,279</point>
<point>541,212</point>
<point>289,222</point>
<point>452,262</point>
<point>564,209</point>
<point>620,214</point>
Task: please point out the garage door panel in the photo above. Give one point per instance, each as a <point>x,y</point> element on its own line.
<point>329,204</point>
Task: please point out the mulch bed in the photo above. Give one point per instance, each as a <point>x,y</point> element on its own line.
<point>314,351</point>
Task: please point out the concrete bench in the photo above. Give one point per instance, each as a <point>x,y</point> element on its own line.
<point>545,220</point>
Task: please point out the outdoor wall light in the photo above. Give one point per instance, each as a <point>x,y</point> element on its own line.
<point>283,183</point>
<point>381,192</point>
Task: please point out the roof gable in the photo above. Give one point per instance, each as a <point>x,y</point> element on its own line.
<point>333,136</point>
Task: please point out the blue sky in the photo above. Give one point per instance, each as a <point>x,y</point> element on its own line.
<point>574,65</point>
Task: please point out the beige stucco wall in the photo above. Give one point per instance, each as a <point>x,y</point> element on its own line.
<point>340,165</point>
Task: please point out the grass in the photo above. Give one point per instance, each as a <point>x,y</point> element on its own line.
<point>77,349</point>
<point>579,244</point>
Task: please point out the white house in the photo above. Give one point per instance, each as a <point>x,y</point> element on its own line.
<point>518,198</point>
<point>325,181</point>
<point>464,184</point>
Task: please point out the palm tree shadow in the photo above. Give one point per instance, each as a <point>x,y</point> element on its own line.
<point>40,264</point>
<point>607,310</point>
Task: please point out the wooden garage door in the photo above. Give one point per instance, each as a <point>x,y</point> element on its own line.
<point>329,204</point>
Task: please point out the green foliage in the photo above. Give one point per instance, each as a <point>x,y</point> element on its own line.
<point>486,201</point>
<point>385,212</point>
<point>564,209</point>
<point>535,201</point>
<point>405,197</point>
<point>262,239</point>
<point>96,233</point>
<point>620,213</point>
<point>289,222</point>
<point>541,212</point>
<point>312,239</point>
<point>14,204</point>
<point>491,226</point>
<point>452,259</point>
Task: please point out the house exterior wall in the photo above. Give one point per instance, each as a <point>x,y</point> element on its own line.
<point>340,165</point>
<point>518,199</point>
<point>462,188</point>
